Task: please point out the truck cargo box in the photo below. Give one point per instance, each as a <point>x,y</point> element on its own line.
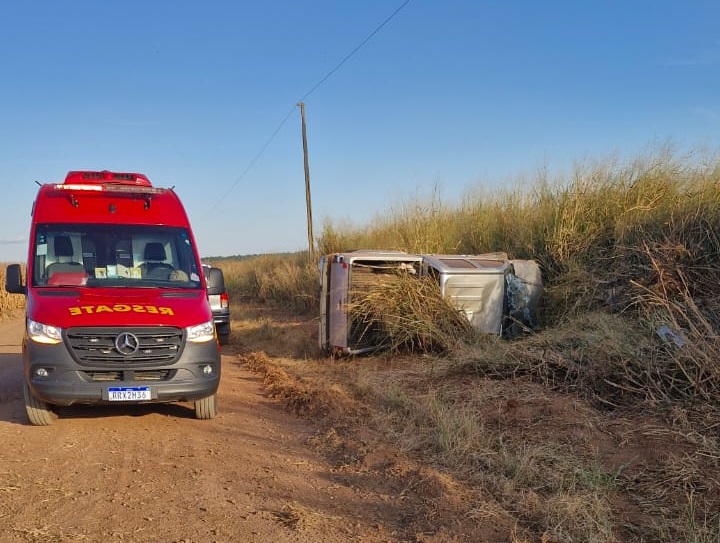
<point>496,294</point>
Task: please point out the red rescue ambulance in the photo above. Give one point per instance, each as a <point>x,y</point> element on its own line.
<point>117,307</point>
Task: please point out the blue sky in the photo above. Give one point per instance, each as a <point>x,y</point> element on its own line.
<point>457,94</point>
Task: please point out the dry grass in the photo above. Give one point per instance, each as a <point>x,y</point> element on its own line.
<point>546,462</point>
<point>588,229</point>
<point>518,472</point>
<point>288,281</point>
<point>598,427</point>
<point>404,313</point>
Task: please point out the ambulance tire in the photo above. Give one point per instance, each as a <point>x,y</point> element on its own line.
<point>206,408</point>
<point>38,412</point>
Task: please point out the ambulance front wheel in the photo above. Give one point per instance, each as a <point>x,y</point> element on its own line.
<point>206,408</point>
<point>38,412</point>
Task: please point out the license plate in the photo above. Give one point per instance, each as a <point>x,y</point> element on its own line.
<point>129,394</point>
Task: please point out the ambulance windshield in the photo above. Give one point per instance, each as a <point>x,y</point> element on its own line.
<point>93,255</point>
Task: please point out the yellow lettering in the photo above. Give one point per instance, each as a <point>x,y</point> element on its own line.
<point>121,308</point>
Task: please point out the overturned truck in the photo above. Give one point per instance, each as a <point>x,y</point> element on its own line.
<point>496,294</point>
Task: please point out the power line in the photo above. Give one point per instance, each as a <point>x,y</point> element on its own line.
<point>253,161</point>
<point>303,97</point>
<point>351,53</point>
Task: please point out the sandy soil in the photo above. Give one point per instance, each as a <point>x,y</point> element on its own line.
<point>156,474</point>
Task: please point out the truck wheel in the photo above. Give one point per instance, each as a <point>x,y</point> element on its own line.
<point>206,408</point>
<point>224,339</point>
<point>38,412</point>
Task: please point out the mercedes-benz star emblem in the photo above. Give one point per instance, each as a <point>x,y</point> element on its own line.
<point>127,343</point>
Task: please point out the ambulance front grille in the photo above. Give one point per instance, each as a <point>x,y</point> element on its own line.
<point>98,346</point>
<point>127,376</point>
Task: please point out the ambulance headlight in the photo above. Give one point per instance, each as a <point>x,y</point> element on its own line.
<point>43,333</point>
<point>201,332</point>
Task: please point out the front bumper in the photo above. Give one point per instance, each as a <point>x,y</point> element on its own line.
<point>64,381</point>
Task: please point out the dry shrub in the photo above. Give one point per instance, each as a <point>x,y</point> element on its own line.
<point>612,359</point>
<point>307,399</point>
<point>584,229</point>
<point>292,286</point>
<point>591,355</point>
<point>405,313</point>
<point>686,301</point>
<point>288,281</point>
<point>579,516</point>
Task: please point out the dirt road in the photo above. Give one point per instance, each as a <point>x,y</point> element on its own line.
<point>156,474</point>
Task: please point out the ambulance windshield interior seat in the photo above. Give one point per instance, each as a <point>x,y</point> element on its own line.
<point>155,265</point>
<point>65,263</point>
<point>91,255</point>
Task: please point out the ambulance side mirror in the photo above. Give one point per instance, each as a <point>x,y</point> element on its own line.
<point>13,280</point>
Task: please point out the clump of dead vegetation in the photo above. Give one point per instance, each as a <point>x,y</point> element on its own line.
<point>303,398</point>
<point>405,313</point>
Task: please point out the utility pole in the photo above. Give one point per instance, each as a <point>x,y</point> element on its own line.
<point>311,249</point>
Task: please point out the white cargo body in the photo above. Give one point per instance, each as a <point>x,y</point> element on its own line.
<point>475,285</point>
<point>497,295</point>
